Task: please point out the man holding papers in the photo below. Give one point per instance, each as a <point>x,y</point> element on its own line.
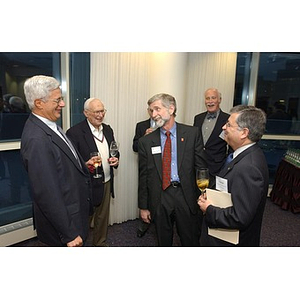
<point>245,178</point>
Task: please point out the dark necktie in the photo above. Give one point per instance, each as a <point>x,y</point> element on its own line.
<point>166,164</point>
<point>228,160</point>
<point>69,143</point>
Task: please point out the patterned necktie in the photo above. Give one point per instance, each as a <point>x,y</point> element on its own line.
<point>166,164</point>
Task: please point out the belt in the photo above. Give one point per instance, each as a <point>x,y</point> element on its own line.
<point>175,184</point>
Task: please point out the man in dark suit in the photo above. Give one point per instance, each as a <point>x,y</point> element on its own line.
<point>210,124</point>
<point>168,159</point>
<point>58,176</point>
<point>89,136</point>
<point>246,177</point>
<point>142,128</point>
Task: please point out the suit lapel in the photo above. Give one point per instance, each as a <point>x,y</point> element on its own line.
<point>181,137</point>
<point>219,124</point>
<point>57,141</point>
<point>88,136</point>
<point>230,166</point>
<point>155,142</point>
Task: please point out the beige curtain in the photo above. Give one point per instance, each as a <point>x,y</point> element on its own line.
<point>205,70</point>
<point>125,81</point>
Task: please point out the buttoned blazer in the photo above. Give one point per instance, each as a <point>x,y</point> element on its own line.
<point>60,187</point>
<point>247,177</point>
<point>84,141</point>
<point>189,158</point>
<point>140,130</point>
<point>215,149</point>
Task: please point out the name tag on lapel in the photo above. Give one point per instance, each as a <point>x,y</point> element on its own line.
<point>156,150</point>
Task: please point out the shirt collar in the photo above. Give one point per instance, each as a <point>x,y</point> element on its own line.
<point>172,130</point>
<point>48,122</point>
<point>93,128</point>
<point>241,149</point>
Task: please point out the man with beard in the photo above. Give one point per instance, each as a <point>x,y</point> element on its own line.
<point>168,159</point>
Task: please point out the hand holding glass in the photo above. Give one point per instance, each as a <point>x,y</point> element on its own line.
<point>96,156</point>
<point>114,148</point>
<point>202,179</point>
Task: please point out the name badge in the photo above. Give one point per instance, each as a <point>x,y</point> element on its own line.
<point>221,184</point>
<point>156,150</point>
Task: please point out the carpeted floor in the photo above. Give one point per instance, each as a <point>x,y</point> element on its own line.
<point>279,228</point>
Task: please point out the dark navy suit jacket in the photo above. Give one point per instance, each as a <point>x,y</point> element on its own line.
<point>60,186</point>
<point>248,180</point>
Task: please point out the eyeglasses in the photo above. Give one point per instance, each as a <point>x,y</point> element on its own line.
<point>227,124</point>
<point>98,112</point>
<point>58,100</point>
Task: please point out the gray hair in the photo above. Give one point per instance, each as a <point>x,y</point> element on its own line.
<point>214,90</point>
<point>166,100</point>
<point>39,87</point>
<point>88,102</point>
<point>252,118</point>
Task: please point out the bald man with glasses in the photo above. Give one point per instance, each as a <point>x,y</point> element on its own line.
<point>93,135</point>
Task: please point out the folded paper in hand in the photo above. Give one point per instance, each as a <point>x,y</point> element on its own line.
<point>223,200</point>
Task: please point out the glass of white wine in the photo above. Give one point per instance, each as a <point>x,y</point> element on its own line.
<point>202,178</point>
<point>114,148</point>
<point>96,156</point>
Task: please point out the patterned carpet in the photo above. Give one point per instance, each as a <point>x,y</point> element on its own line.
<point>279,228</point>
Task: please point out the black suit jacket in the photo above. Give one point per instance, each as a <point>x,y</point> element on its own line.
<point>248,180</point>
<point>140,130</point>
<point>215,149</point>
<point>60,187</point>
<point>83,139</point>
<point>150,167</point>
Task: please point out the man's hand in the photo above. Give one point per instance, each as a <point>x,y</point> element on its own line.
<point>113,161</point>
<point>203,202</point>
<point>145,215</point>
<point>78,242</point>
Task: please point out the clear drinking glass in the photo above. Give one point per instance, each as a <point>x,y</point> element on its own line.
<point>114,148</point>
<point>96,156</point>
<point>202,178</point>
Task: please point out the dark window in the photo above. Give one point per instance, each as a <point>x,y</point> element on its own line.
<point>242,78</point>
<point>15,200</point>
<point>278,91</point>
<point>79,84</point>
<point>15,68</point>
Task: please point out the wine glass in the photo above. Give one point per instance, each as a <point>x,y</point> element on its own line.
<point>202,179</point>
<point>96,156</point>
<point>114,148</point>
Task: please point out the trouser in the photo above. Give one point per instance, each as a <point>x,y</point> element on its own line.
<point>174,209</point>
<point>101,218</point>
